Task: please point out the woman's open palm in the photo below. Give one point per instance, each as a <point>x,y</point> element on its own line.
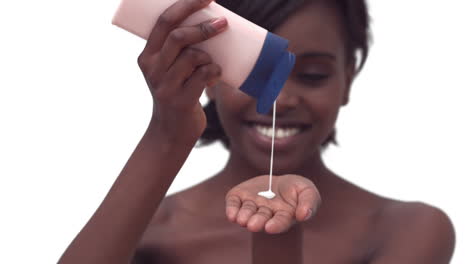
<point>297,199</point>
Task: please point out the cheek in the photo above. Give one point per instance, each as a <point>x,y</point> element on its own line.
<point>325,104</point>
<point>230,103</point>
<point>232,99</point>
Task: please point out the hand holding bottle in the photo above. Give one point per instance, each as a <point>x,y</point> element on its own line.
<point>176,73</point>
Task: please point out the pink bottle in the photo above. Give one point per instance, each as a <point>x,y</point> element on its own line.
<point>253,59</point>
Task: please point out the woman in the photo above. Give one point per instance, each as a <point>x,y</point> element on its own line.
<point>136,223</point>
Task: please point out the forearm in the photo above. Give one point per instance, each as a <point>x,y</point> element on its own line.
<point>279,248</point>
<point>113,232</point>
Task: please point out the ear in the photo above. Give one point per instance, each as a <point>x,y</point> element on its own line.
<point>349,78</point>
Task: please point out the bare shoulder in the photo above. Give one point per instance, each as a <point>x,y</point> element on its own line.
<point>165,215</point>
<point>414,232</point>
<point>180,233</point>
<point>151,247</point>
<point>417,217</point>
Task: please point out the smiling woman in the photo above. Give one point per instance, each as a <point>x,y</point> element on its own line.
<point>317,216</point>
<point>354,28</point>
<point>309,102</point>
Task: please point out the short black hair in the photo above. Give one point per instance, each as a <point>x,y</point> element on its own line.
<point>269,14</point>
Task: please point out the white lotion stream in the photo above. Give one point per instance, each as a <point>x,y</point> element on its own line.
<point>269,194</point>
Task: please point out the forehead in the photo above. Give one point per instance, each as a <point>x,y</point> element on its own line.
<point>314,27</point>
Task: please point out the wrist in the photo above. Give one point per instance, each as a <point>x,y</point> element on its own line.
<point>158,131</point>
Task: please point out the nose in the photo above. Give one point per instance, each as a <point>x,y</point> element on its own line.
<point>286,101</point>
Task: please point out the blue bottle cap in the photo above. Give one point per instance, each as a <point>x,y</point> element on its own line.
<point>270,72</point>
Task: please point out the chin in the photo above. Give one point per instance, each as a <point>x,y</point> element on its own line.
<point>282,164</point>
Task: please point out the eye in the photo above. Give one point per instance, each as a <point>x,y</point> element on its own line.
<point>315,77</point>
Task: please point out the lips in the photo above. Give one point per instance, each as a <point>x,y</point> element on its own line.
<point>279,123</point>
<point>287,134</point>
<point>278,132</point>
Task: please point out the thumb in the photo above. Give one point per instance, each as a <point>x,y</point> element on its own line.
<point>309,202</point>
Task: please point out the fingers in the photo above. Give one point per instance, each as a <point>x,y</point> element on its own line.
<point>257,219</point>
<point>257,222</point>
<point>184,66</point>
<point>202,77</point>
<point>233,204</point>
<point>170,19</point>
<point>308,203</point>
<point>189,76</point>
<point>167,46</point>
<point>189,61</point>
<point>182,37</point>
<point>280,222</point>
<point>248,209</point>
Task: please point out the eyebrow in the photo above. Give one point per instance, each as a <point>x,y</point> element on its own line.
<point>317,54</point>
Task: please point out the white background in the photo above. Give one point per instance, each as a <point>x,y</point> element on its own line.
<point>74,104</point>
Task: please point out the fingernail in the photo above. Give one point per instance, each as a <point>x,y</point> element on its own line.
<point>219,23</point>
<point>309,214</point>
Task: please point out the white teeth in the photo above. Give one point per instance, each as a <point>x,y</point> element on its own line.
<point>279,132</point>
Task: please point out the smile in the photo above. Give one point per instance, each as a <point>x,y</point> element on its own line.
<point>279,132</point>
<point>287,135</point>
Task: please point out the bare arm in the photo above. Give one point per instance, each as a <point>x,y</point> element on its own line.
<point>114,230</point>
<point>176,75</point>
